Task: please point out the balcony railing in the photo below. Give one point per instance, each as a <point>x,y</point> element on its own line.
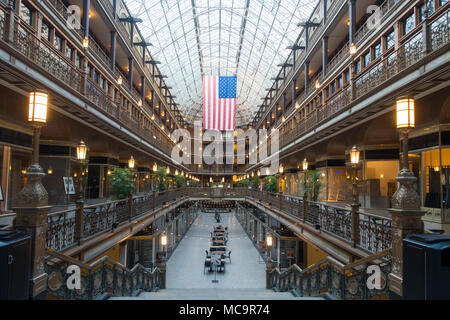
<point>343,282</point>
<point>67,228</point>
<point>104,276</point>
<point>373,234</point>
<point>410,53</point>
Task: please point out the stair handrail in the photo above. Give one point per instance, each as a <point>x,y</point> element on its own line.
<point>329,275</point>
<point>100,278</point>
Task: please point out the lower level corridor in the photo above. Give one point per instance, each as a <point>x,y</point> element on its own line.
<point>187,279</point>
<point>185,269</point>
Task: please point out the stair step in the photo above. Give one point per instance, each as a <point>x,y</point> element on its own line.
<point>216,294</point>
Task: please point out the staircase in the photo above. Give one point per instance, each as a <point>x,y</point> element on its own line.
<point>216,294</point>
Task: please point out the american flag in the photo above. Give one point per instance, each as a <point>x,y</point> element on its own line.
<point>219,103</point>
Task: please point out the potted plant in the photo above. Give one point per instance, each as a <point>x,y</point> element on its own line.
<point>312,184</point>
<point>162,179</point>
<point>271,183</point>
<point>122,183</point>
<point>180,181</point>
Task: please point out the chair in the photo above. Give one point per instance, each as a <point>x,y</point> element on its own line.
<point>229,256</point>
<point>207,265</point>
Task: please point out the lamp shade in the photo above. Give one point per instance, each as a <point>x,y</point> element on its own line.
<point>155,167</point>
<point>281,170</point>
<point>85,43</point>
<point>317,84</point>
<point>81,151</point>
<point>269,240</point>
<point>131,163</point>
<point>405,113</point>
<point>168,170</point>
<point>164,240</point>
<point>354,155</point>
<point>305,164</point>
<point>176,172</point>
<point>353,49</point>
<point>37,110</point>
<point>119,80</point>
<point>259,173</point>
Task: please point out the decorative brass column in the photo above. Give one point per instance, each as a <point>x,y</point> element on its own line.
<point>406,213</point>
<point>269,265</point>
<point>32,201</point>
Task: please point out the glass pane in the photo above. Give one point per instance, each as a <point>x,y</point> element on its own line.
<point>212,43</point>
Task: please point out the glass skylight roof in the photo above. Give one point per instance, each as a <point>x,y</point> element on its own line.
<point>246,38</point>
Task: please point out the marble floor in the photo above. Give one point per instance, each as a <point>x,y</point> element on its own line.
<point>244,278</point>
<point>185,266</point>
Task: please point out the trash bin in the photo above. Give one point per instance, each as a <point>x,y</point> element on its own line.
<point>15,260</point>
<point>426,267</point>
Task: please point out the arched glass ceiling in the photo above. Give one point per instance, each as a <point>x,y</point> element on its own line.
<point>246,38</point>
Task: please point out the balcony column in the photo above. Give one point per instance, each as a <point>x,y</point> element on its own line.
<point>294,89</point>
<point>113,50</point>
<point>427,45</point>
<point>284,105</point>
<point>306,77</point>
<point>131,33</point>
<point>352,19</point>
<point>85,18</point>
<point>130,73</point>
<point>114,5</point>
<point>153,101</point>
<point>325,9</point>
<point>143,89</point>
<point>9,22</point>
<point>306,38</point>
<point>324,56</point>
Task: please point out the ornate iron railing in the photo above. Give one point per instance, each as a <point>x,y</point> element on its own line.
<point>342,282</point>
<point>410,53</point>
<point>66,228</point>
<point>46,57</point>
<point>374,233</point>
<point>104,276</point>
<point>61,229</point>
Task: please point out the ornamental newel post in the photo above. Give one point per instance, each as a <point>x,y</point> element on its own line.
<point>79,213</point>
<point>269,241</point>
<point>32,201</point>
<point>163,261</point>
<point>354,159</point>
<point>406,213</point>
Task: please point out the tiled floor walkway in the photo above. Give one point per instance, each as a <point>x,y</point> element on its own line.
<point>244,278</point>
<point>185,266</point>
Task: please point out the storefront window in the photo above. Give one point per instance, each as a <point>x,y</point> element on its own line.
<point>19,163</point>
<point>379,183</point>
<point>445,154</point>
<point>431,178</point>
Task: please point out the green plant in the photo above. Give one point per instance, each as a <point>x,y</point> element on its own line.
<point>254,182</point>
<point>122,183</point>
<point>245,183</point>
<point>162,179</point>
<point>193,183</point>
<point>312,184</point>
<point>181,181</point>
<point>271,183</point>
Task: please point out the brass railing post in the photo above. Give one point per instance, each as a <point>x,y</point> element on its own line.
<point>9,23</point>
<point>79,215</point>
<point>305,199</point>
<point>281,201</point>
<point>154,199</point>
<point>130,207</point>
<point>355,224</point>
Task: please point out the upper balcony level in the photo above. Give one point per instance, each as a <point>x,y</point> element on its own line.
<point>102,67</point>
<point>324,84</point>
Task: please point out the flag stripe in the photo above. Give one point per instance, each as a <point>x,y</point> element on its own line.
<point>219,103</point>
